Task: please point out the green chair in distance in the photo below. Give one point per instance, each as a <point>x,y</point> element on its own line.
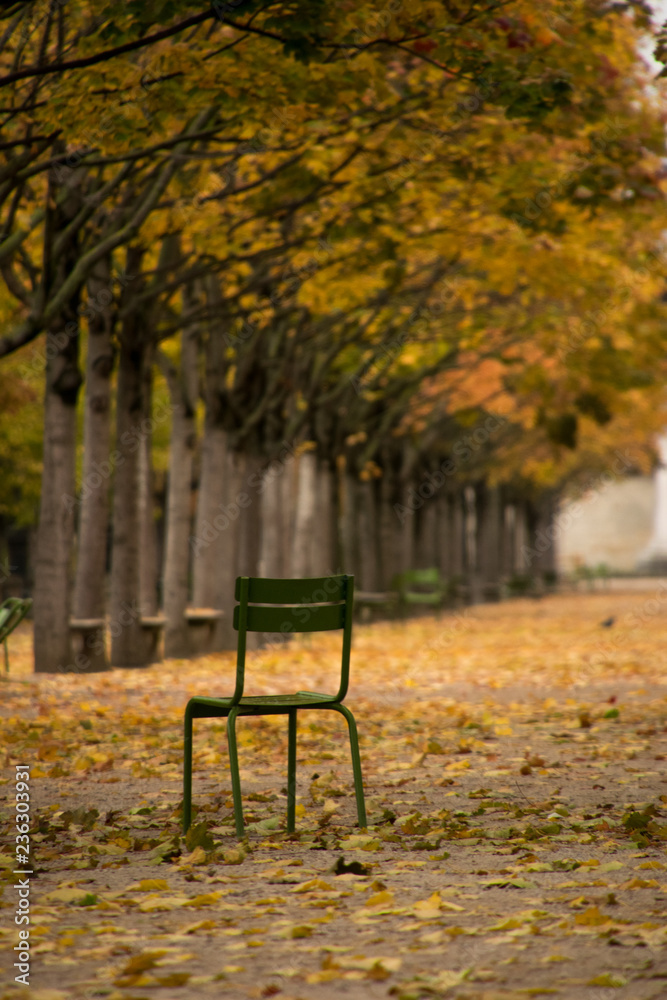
<point>420,587</point>
<point>12,611</point>
<point>280,606</point>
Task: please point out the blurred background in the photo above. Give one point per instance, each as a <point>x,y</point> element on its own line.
<point>291,289</point>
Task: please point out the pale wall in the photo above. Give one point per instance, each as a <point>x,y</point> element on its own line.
<point>613,526</point>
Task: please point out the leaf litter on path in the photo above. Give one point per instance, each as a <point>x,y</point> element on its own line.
<point>517,824</point>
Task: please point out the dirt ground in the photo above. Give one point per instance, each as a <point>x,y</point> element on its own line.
<point>514,768</point>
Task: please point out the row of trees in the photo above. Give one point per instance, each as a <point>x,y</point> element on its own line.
<point>355,232</point>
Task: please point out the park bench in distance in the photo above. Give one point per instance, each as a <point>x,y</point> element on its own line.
<point>12,611</point>
<point>202,623</point>
<point>365,600</point>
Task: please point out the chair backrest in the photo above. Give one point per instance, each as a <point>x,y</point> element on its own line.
<point>12,611</point>
<point>422,583</point>
<point>313,604</point>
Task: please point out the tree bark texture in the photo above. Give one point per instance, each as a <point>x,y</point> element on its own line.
<point>183,389</point>
<point>130,643</point>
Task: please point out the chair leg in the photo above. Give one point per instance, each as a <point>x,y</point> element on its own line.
<point>234,769</point>
<point>187,769</point>
<point>356,763</point>
<point>291,771</point>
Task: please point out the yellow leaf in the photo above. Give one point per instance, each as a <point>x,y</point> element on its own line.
<point>204,899</point>
<point>155,903</point>
<point>323,977</point>
<point>301,931</point>
<point>312,885</point>
<point>607,979</point>
<point>428,909</point>
<point>65,895</point>
<point>173,979</point>
<point>383,898</point>
<point>151,885</point>
<point>591,917</point>
<point>503,730</point>
<point>376,967</point>
<point>233,857</point>
<point>141,963</point>
<point>203,925</point>
<point>511,924</point>
<point>196,857</point>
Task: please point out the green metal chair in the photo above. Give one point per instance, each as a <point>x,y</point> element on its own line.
<point>420,586</point>
<point>280,606</point>
<point>12,611</point>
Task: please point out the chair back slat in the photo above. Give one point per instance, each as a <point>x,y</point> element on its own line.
<point>313,590</point>
<point>286,620</point>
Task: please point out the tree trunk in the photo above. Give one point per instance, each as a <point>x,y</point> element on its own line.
<point>389,532</point>
<point>251,475</point>
<point>307,517</point>
<point>148,565</point>
<point>249,469</point>
<point>98,467</point>
<point>522,559</point>
<point>55,536</point>
<point>271,506</point>
<point>490,539</point>
<point>179,494</point>
<point>324,558</point>
<point>212,546</point>
<point>347,525</point>
<point>214,543</point>
<point>444,553</point>
<point>130,643</point>
<point>366,536</point>
<point>426,528</point>
<point>508,557</point>
<point>289,485</point>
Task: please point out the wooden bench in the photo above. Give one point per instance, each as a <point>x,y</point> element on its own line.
<point>12,611</point>
<point>365,600</point>
<point>202,624</point>
<point>90,652</point>
<point>154,626</point>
